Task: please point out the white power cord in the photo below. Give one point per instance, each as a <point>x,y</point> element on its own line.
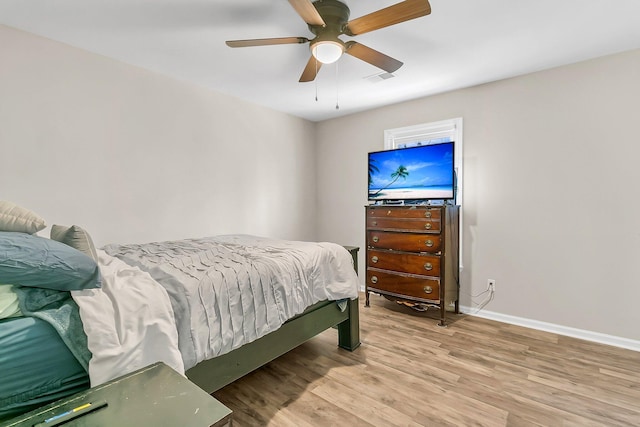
<point>490,292</point>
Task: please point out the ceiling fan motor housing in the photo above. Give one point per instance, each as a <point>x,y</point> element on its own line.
<point>335,15</point>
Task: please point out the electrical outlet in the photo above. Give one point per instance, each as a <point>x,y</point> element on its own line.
<point>491,285</point>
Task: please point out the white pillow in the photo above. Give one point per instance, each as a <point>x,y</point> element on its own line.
<point>16,218</point>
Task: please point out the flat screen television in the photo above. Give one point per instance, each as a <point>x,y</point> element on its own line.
<point>425,172</point>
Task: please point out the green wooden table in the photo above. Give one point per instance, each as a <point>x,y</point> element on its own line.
<point>152,396</point>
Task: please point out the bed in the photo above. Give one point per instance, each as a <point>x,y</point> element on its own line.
<point>213,308</point>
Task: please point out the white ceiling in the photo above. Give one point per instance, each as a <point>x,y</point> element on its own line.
<point>462,43</point>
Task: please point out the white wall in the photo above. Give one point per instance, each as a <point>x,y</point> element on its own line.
<point>551,208</point>
<point>136,156</point>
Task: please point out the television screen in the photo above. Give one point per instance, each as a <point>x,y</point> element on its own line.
<point>424,172</point>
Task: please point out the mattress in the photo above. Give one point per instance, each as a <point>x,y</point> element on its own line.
<point>33,378</point>
<point>227,291</point>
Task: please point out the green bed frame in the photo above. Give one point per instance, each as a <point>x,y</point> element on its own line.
<point>213,374</point>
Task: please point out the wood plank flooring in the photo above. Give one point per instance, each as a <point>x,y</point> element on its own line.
<point>411,372</point>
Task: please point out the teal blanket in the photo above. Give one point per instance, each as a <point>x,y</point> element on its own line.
<point>60,310</point>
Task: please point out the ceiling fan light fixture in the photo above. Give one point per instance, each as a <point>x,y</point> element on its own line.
<point>327,51</point>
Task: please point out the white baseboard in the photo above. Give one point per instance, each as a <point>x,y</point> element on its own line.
<point>556,329</point>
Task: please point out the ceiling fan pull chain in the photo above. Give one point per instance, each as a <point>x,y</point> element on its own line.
<point>337,92</point>
<point>315,81</point>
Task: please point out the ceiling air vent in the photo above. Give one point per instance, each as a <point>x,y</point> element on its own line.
<point>378,77</point>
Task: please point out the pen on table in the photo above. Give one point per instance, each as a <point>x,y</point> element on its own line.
<point>79,408</point>
<point>75,412</point>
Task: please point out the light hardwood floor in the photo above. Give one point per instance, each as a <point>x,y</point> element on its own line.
<point>410,372</point>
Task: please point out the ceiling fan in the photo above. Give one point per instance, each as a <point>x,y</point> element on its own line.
<point>328,19</point>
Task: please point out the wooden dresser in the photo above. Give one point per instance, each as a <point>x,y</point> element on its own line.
<point>412,255</point>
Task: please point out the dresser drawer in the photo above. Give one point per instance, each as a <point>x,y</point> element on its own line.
<point>404,212</point>
<point>398,284</point>
<point>419,225</point>
<point>427,265</point>
<point>408,242</point>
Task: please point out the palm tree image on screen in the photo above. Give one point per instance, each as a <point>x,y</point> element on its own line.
<point>401,172</point>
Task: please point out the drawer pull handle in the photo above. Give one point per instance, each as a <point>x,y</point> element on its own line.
<point>427,214</point>
<point>427,226</point>
<point>374,279</point>
<point>374,259</point>
<point>428,266</point>
<point>375,239</point>
<point>388,213</point>
<point>428,289</point>
<point>429,243</point>
<point>375,223</point>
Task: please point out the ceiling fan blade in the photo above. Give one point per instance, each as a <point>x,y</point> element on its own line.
<point>372,56</point>
<point>266,42</point>
<point>399,12</point>
<point>307,12</point>
<point>311,70</point>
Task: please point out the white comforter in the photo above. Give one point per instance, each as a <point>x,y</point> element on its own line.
<point>129,322</point>
<point>222,292</point>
